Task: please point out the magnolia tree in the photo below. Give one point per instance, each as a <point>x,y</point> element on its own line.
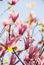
<point>16,30</point>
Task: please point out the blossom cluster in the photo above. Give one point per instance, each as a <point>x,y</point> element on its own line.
<point>34,54</point>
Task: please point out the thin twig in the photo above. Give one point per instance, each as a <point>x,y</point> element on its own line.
<point>41,51</point>
<point>18,57</point>
<point>9,31</point>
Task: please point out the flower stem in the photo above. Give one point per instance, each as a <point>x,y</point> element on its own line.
<point>9,31</point>
<point>18,57</point>
<point>41,52</point>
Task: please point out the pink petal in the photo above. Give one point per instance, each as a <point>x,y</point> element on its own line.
<point>14,16</point>
<point>14,2</point>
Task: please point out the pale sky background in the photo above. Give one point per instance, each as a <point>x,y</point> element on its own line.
<point>24,11</point>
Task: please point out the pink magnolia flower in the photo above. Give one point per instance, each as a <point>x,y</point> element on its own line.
<point>2,51</point>
<point>13,60</point>
<point>14,2</point>
<point>32,18</point>
<point>6,24</point>
<point>21,26</point>
<point>22,29</point>
<point>28,61</point>
<point>26,58</point>
<point>41,60</point>
<point>33,53</point>
<point>13,40</point>
<point>28,41</point>
<point>19,22</point>
<point>13,16</point>
<point>32,62</point>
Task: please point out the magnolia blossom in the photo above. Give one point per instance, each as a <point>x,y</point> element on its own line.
<point>14,2</point>
<point>41,60</point>
<point>32,18</point>
<point>13,16</point>
<point>6,24</point>
<point>2,50</point>
<point>13,40</point>
<point>28,61</point>
<point>13,60</point>
<point>22,27</point>
<point>28,41</point>
<point>19,22</point>
<point>33,53</point>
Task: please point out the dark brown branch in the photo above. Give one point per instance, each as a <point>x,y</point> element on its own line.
<point>9,31</point>
<point>18,57</point>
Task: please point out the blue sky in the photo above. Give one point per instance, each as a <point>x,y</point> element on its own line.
<point>23,10</point>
